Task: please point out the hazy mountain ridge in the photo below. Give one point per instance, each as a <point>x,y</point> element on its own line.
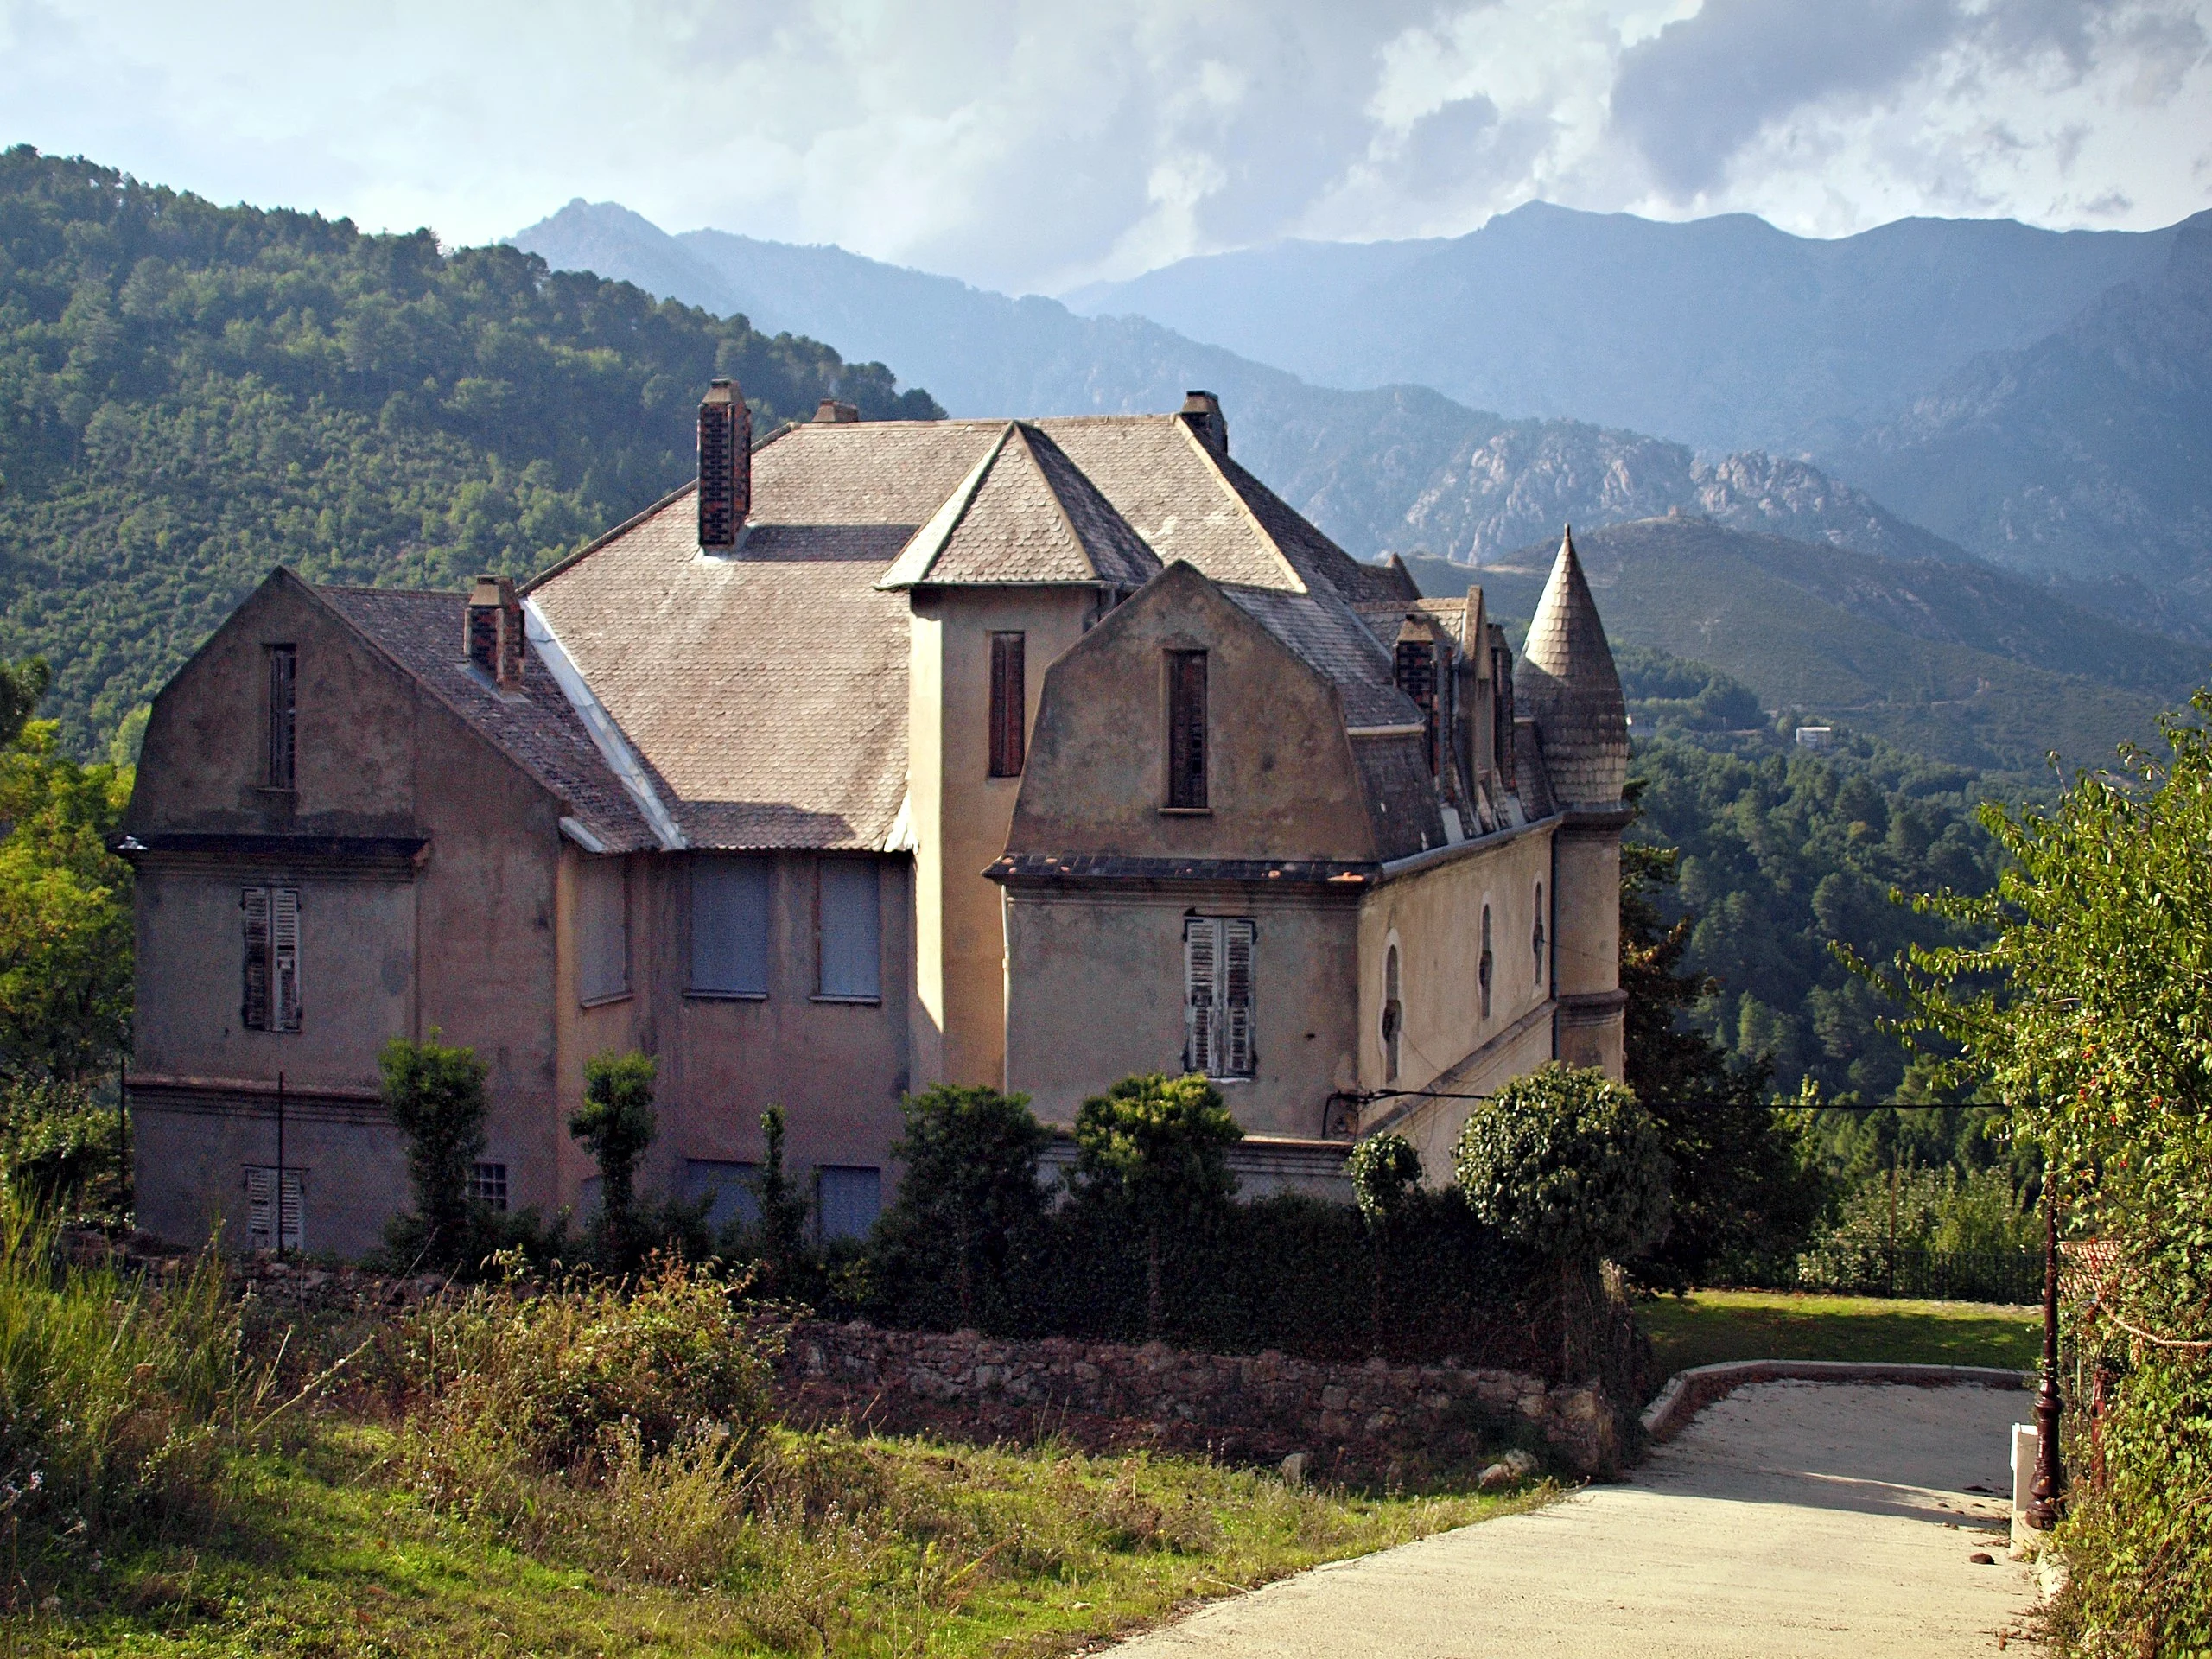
<point>1392,467</point>
<point>1725,332</point>
<point>2088,453</point>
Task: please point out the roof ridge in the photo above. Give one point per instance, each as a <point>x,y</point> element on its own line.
<point>687,488</point>
<point>1229,488</point>
<point>925,545</point>
<point>370,588</point>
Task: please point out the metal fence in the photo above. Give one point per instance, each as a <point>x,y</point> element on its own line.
<point>2012,1276</point>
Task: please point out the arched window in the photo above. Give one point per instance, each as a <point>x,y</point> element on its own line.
<point>1393,1016</point>
<point>1483,970</point>
<point>1537,936</point>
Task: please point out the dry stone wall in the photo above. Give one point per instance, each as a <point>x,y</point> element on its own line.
<point>1347,1419</point>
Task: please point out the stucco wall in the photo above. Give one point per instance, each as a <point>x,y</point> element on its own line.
<point>1281,781</point>
<point>961,813</point>
<point>1096,994</point>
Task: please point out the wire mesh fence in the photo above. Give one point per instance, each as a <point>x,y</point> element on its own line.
<point>2009,1276</point>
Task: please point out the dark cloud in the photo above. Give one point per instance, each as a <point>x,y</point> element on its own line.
<point>1692,95</point>
<point>1446,145</point>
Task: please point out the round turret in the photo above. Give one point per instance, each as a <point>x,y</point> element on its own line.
<point>1568,681</point>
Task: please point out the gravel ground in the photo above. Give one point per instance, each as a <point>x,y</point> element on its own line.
<point>1790,1518</point>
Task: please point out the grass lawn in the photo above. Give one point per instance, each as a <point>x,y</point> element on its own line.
<point>323,1551</point>
<point>1708,1326</point>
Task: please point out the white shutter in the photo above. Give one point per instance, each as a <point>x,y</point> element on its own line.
<point>1201,992</point>
<point>293,1207</point>
<point>1235,1015</point>
<point>284,955</point>
<point>260,1222</point>
<point>253,993</point>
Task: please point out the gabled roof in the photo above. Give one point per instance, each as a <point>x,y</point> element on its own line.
<point>534,725</point>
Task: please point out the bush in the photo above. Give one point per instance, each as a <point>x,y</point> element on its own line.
<point>59,1149</point>
<point>1565,1163</point>
<point>435,1095</point>
<point>616,1125</point>
<point>1156,1150</point>
<point>548,1375</point>
<point>957,1240</point>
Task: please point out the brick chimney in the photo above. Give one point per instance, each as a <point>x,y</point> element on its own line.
<point>830,412</point>
<point>1203,410</point>
<point>492,636</point>
<point>725,465</point>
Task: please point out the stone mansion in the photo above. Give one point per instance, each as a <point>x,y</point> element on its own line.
<point>1031,754</point>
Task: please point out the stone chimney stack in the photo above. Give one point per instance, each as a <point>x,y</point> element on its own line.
<point>830,412</point>
<point>492,636</point>
<point>1202,409</point>
<point>725,465</point>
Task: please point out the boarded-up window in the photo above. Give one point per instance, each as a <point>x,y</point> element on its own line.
<point>851,1198</point>
<point>850,929</point>
<point>729,1191</point>
<point>1416,672</point>
<point>1485,966</point>
<point>269,1203</point>
<point>602,930</point>
<point>1393,1016</point>
<point>729,926</point>
<point>269,994</point>
<point>283,665</point>
<point>1217,995</point>
<point>1186,729</point>
<point>1537,936</point>
<point>1009,704</point>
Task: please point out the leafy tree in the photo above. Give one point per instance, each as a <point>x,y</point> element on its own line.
<point>1157,1148</point>
<point>65,900</point>
<point>616,1124</point>
<point>1744,1192</point>
<point>1565,1163</point>
<point>2086,1009</point>
<point>967,1210</point>
<point>435,1095</point>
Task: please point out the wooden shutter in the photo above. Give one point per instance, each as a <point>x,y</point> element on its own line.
<point>275,1211</point>
<point>1236,1015</point>
<point>284,957</point>
<point>253,995</point>
<point>1009,704</point>
<point>1201,961</point>
<point>1187,728</point>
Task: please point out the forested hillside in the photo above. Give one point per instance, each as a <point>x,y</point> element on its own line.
<point>191,394</point>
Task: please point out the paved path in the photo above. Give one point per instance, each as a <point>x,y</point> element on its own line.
<point>1790,1518</point>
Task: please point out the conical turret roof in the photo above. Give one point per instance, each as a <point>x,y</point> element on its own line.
<point>1568,682</point>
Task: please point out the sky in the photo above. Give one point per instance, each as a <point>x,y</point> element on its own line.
<point>1031,148</point>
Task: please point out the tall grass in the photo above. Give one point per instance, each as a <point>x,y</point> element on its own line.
<point>115,1397</point>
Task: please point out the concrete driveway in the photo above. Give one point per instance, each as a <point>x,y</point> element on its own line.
<point>1790,1518</point>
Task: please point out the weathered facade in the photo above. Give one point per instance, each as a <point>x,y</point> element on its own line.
<point>1024,754</point>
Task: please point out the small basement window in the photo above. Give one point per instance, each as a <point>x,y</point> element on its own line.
<point>487,1185</point>
<point>849,1199</point>
<point>730,1190</point>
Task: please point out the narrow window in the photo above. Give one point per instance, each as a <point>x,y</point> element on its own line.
<point>602,931</point>
<point>269,994</point>
<point>1393,1015</point>
<point>1416,672</point>
<point>274,1210</point>
<point>848,911</point>
<point>1501,712</point>
<point>1009,704</point>
<point>283,665</point>
<point>1186,729</point>
<point>487,1185</point>
<point>849,1200</point>
<point>1483,967</point>
<point>729,926</point>
<point>1217,995</point>
<point>1536,938</point>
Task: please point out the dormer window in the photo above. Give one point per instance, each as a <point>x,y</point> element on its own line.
<point>283,666</point>
<point>1186,731</point>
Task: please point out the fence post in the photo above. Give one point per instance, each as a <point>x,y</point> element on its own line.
<point>2047,1498</point>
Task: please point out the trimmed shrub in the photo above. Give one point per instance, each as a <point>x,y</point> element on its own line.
<point>1155,1150</point>
<point>435,1095</point>
<point>616,1125</point>
<point>956,1243</point>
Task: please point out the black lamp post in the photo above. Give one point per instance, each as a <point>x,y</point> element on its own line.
<point>2047,1497</point>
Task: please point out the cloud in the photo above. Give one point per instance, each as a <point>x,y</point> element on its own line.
<point>1031,148</point>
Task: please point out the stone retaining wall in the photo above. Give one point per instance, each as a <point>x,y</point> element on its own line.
<point>1346,1418</point>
